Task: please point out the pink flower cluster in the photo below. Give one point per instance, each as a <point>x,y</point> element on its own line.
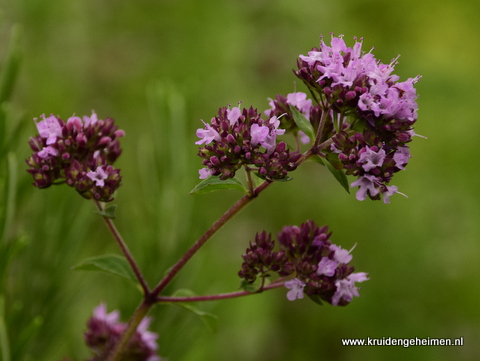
<point>321,268</point>
<point>236,138</point>
<point>374,113</point>
<point>79,152</point>
<point>104,330</point>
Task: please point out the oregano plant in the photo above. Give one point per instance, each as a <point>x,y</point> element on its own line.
<point>356,119</point>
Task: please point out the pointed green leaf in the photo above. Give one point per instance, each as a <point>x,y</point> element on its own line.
<point>302,123</point>
<point>109,263</point>
<point>212,184</point>
<point>337,173</point>
<point>209,319</point>
<point>249,287</point>
<point>109,211</point>
<point>316,299</point>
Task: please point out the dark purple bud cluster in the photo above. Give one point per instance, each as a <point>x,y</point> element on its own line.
<point>321,268</point>
<point>260,259</point>
<point>104,331</point>
<point>79,153</point>
<point>237,138</point>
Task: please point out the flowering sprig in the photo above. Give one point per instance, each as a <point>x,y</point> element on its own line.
<point>105,329</point>
<point>359,123</point>
<point>79,152</point>
<point>372,112</point>
<point>321,269</point>
<point>238,138</point>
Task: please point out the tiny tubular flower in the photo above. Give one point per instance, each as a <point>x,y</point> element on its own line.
<point>326,267</point>
<point>296,289</point>
<point>346,288</point>
<point>371,158</point>
<point>50,129</point>
<point>98,176</point>
<point>208,135</point>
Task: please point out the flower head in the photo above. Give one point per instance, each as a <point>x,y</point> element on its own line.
<point>240,137</point>
<point>104,331</point>
<point>79,153</point>
<point>321,268</point>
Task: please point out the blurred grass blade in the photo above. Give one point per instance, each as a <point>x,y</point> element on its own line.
<point>109,263</point>
<point>302,123</point>
<point>212,184</point>
<point>8,251</point>
<point>9,195</point>
<point>18,123</point>
<point>11,64</point>
<point>209,319</point>
<point>4,345</point>
<point>26,337</point>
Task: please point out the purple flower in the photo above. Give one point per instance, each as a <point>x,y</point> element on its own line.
<point>49,128</point>
<point>208,135</point>
<point>98,176</point>
<point>233,115</point>
<point>401,157</point>
<point>104,330</point>
<point>352,81</point>
<point>259,134</point>
<point>371,158</point>
<point>366,185</point>
<point>233,140</point>
<point>100,313</point>
<point>341,255</point>
<point>300,101</point>
<point>326,267</point>
<point>390,190</point>
<point>204,173</point>
<point>79,153</point>
<point>296,289</point>
<point>346,288</point>
<point>306,252</point>
<point>48,152</point>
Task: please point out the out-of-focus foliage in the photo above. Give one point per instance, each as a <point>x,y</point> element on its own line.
<point>158,67</point>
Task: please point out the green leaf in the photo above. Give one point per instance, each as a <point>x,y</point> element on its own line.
<point>249,287</point>
<point>212,184</point>
<point>109,211</point>
<point>302,123</point>
<point>316,299</point>
<point>209,319</point>
<point>109,263</point>
<point>337,173</point>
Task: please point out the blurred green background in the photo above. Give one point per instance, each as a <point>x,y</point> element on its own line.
<point>158,67</point>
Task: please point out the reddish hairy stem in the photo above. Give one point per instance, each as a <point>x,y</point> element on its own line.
<point>221,296</point>
<point>237,207</point>
<point>125,250</point>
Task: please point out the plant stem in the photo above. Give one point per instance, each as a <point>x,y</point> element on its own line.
<point>221,296</point>
<point>237,207</point>
<point>135,320</point>
<point>123,246</point>
<point>323,118</point>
